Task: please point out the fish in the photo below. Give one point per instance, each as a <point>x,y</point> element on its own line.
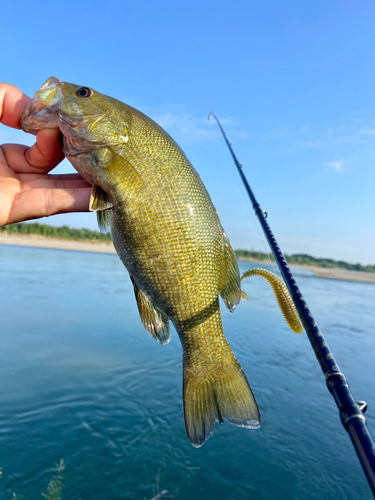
<point>167,234</point>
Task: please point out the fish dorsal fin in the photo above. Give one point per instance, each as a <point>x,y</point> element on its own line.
<point>101,204</point>
<point>230,285</point>
<point>154,320</point>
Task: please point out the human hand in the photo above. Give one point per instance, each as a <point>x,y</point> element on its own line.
<point>27,190</point>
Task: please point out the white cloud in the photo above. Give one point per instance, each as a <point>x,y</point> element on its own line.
<point>335,165</point>
<point>349,138</point>
<point>341,136</point>
<point>367,131</point>
<point>168,120</point>
<point>280,132</point>
<point>304,130</point>
<point>186,124</point>
<point>310,144</point>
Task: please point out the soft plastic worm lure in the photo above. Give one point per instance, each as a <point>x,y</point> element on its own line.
<point>282,296</point>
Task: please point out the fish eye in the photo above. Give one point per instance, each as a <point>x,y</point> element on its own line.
<point>84,92</point>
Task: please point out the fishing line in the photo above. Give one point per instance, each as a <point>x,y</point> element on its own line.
<point>351,412</point>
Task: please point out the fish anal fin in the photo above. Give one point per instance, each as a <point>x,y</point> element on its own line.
<point>154,320</point>
<point>225,394</point>
<point>230,285</point>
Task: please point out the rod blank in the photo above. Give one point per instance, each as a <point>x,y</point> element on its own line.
<point>352,417</point>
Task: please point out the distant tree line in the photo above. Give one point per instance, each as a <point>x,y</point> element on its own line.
<point>308,260</point>
<point>64,232</point>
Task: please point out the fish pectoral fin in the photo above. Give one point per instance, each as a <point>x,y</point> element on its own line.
<point>154,320</point>
<point>230,285</point>
<point>99,200</point>
<point>282,295</point>
<point>102,205</point>
<point>224,394</point>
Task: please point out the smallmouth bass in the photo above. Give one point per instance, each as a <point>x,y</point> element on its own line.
<point>168,235</point>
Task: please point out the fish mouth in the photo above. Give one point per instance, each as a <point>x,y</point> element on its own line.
<point>50,83</point>
<point>43,109</point>
<point>72,123</point>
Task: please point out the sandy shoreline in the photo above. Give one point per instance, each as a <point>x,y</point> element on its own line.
<point>334,274</point>
<point>103,247</point>
<point>24,240</point>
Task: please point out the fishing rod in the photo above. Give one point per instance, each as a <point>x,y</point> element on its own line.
<point>351,412</point>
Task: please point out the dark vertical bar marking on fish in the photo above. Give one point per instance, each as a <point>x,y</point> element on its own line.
<point>351,416</point>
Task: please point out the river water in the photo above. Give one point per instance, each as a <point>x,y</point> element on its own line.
<point>83,381</point>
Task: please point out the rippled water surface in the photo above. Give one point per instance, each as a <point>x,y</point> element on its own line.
<point>82,380</point>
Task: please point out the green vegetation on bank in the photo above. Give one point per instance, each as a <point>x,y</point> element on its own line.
<point>64,232</point>
<point>308,260</point>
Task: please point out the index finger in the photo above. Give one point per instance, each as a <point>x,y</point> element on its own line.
<point>13,103</point>
<point>46,153</point>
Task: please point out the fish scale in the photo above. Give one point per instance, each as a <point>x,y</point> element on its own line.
<point>168,235</point>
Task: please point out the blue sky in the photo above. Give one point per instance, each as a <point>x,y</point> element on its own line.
<point>293,83</point>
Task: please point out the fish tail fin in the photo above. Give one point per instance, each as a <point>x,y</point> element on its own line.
<point>223,394</point>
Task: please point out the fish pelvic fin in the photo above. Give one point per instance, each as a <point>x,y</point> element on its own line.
<point>154,320</point>
<point>104,219</point>
<point>230,286</point>
<point>224,394</point>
